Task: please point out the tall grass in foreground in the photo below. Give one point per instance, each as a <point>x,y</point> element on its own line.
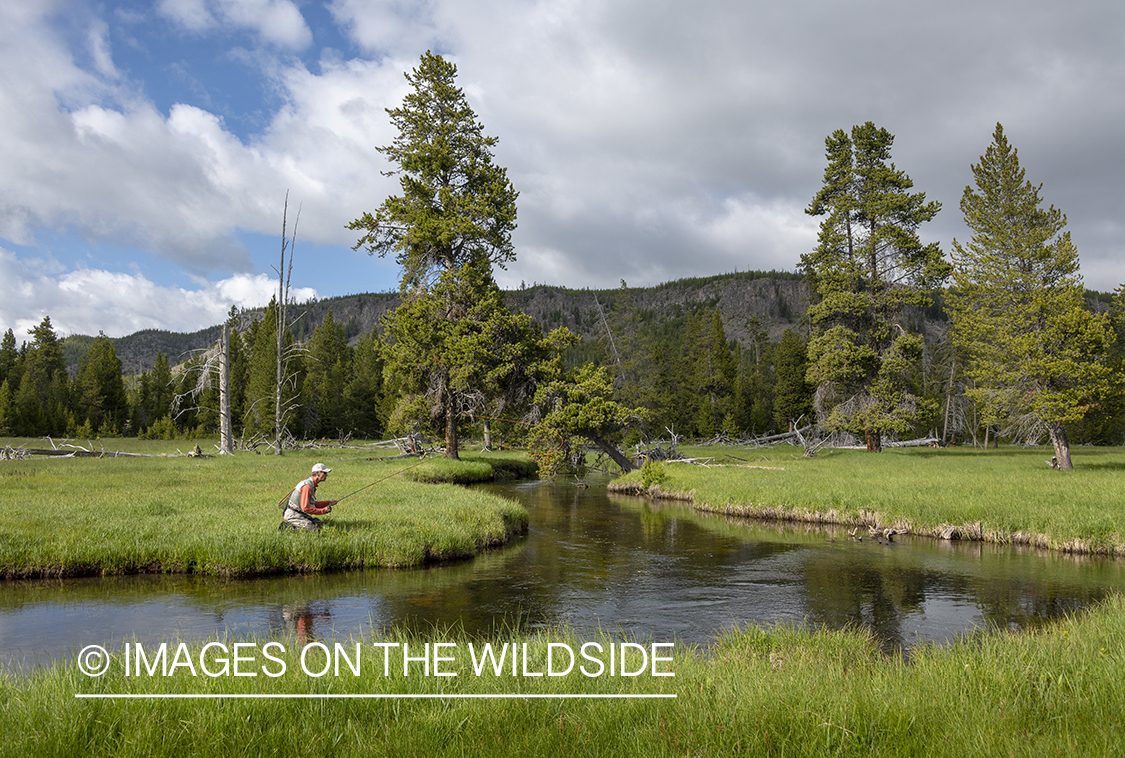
<point>220,516</point>
<point>755,692</point>
<point>1011,492</point>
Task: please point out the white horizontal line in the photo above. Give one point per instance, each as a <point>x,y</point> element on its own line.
<point>399,696</point>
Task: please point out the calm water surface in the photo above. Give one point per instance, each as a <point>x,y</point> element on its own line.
<point>590,561</point>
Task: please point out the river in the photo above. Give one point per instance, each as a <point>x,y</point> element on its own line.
<point>590,561</point>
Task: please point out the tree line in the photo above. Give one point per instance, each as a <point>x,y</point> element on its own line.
<point>1021,357</point>
<point>333,388</point>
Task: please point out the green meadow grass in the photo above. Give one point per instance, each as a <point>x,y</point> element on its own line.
<point>1011,492</point>
<point>80,516</point>
<point>755,692</point>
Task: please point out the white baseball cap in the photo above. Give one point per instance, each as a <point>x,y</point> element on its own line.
<point>320,467</point>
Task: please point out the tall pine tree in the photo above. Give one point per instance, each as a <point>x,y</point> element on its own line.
<point>451,224</point>
<point>869,263</point>
<point>1037,355</point>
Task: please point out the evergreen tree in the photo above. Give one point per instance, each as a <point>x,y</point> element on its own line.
<point>512,358</point>
<point>258,416</point>
<point>451,224</point>
<point>627,349</point>
<point>792,393</point>
<point>717,374</point>
<point>868,264</point>
<point>101,399</point>
<point>364,412</point>
<point>488,361</point>
<point>457,206</point>
<point>161,388</point>
<point>328,364</point>
<point>7,409</point>
<point>581,405</point>
<point>154,397</point>
<point>44,405</point>
<point>45,356</point>
<point>261,379</point>
<point>1037,354</point>
<point>671,398</point>
<point>692,354</point>
<point>28,415</point>
<point>141,418</point>
<point>754,400</point>
<point>8,355</point>
<point>1105,424</point>
<point>239,372</point>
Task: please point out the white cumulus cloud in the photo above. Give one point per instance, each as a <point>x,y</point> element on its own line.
<point>85,301</point>
<point>277,22</point>
<point>648,141</point>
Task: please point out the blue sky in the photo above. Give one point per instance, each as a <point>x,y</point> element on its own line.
<point>149,146</point>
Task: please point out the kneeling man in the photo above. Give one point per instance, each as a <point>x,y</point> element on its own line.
<point>303,507</point>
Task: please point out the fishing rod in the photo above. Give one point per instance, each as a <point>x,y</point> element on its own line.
<point>381,479</point>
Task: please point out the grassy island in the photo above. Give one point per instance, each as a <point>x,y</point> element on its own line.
<point>1008,495</point>
<point>219,515</point>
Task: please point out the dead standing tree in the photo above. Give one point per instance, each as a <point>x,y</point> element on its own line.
<point>214,360</point>
<point>210,361</point>
<point>226,434</point>
<point>284,273</point>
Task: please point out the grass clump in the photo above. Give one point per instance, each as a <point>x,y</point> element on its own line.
<point>1005,496</point>
<point>103,516</point>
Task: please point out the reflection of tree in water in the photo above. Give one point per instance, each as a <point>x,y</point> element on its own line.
<point>876,591</point>
<point>1019,605</point>
<point>863,593</point>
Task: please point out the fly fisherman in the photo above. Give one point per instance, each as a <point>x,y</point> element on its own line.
<point>303,507</point>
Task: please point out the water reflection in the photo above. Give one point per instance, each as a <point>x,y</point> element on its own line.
<point>590,561</point>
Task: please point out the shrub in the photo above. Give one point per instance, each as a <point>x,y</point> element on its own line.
<point>653,473</point>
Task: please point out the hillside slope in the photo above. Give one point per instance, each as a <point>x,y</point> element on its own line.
<point>776,301</point>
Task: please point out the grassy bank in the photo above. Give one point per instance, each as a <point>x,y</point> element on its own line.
<point>83,516</point>
<point>475,468</point>
<point>755,692</point>
<point>1003,496</point>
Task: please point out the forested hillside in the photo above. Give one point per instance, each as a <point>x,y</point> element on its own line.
<point>776,300</point>
<point>723,354</point>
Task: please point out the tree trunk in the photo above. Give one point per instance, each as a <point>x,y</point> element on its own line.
<point>874,441</point>
<point>948,402</point>
<point>487,434</point>
<point>450,429</point>
<point>1062,446</point>
<point>226,442</point>
<point>283,276</point>
<point>612,451</point>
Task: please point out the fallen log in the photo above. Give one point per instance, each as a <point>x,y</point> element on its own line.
<point>774,439</point>
<point>921,442</point>
<point>88,453</point>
